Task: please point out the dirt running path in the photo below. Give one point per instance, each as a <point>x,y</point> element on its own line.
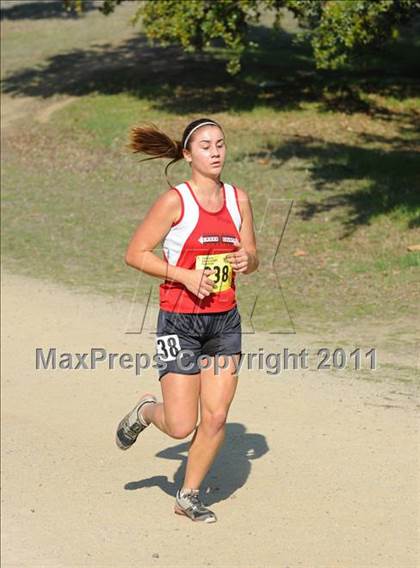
<point>318,470</point>
<point>18,109</point>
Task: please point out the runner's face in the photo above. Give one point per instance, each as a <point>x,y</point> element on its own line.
<point>208,150</point>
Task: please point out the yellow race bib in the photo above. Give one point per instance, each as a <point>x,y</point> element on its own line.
<point>218,262</point>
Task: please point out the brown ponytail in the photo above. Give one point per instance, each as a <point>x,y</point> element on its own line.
<point>150,140</point>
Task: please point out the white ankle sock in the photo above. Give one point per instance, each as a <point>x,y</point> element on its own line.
<point>184,490</point>
<point>139,414</point>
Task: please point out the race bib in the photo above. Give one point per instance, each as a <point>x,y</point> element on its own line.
<point>168,347</point>
<point>218,262</point>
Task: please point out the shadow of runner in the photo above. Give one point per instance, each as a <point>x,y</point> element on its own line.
<point>228,473</point>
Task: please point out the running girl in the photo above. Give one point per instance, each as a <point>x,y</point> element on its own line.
<point>206,227</point>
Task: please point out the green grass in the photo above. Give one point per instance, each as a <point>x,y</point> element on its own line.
<point>342,147</point>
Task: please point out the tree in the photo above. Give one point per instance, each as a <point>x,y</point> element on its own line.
<point>337,29</point>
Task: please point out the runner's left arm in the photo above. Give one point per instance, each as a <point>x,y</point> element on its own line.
<point>245,259</point>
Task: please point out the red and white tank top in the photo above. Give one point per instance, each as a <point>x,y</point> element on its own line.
<point>201,238</point>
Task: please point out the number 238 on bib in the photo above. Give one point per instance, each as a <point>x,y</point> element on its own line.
<point>222,267</point>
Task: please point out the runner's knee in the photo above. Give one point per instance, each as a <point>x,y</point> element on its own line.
<point>181,430</point>
<point>214,421</point>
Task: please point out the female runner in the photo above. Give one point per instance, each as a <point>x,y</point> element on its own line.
<point>208,237</point>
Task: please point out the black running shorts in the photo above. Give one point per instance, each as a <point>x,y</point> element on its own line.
<point>182,338</point>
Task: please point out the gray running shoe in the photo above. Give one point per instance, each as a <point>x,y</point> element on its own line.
<point>131,425</point>
<point>190,505</point>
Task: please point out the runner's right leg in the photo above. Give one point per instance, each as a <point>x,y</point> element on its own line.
<point>177,415</point>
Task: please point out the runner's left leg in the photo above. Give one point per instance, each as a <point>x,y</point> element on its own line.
<point>217,392</point>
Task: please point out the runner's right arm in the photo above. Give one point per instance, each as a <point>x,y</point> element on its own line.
<point>151,231</point>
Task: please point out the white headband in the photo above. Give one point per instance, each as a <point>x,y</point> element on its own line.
<point>195,128</point>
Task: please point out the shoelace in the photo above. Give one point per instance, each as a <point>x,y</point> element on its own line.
<point>194,498</point>
<point>132,430</point>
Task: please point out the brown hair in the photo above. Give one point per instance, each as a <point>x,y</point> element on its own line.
<point>150,140</point>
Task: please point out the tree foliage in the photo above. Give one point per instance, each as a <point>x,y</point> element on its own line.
<point>343,28</point>
<point>337,29</point>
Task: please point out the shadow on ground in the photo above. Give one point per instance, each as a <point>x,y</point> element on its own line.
<point>15,10</point>
<point>280,73</point>
<point>229,471</point>
<point>391,176</point>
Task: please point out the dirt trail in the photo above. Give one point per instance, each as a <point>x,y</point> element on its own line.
<point>317,470</point>
<point>14,109</point>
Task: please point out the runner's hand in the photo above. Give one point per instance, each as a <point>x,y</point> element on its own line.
<point>199,283</point>
<point>239,259</point>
